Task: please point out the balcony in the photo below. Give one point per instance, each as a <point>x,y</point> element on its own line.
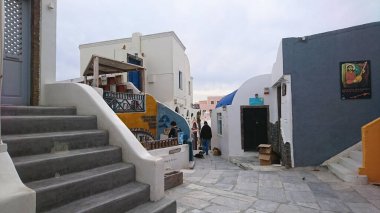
<point>124,102</point>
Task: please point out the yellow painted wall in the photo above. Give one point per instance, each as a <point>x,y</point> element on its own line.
<point>371,151</point>
<point>147,120</point>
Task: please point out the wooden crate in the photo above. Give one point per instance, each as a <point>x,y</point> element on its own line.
<point>173,179</point>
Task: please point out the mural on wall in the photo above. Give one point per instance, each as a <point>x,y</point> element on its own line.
<point>142,120</point>
<point>165,116</point>
<point>355,80</point>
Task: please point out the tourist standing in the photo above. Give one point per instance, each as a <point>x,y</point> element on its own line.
<point>206,136</point>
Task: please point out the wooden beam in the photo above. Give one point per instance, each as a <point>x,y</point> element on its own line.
<point>96,71</point>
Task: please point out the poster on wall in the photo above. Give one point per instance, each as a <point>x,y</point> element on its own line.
<point>355,80</point>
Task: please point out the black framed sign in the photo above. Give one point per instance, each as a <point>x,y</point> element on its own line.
<point>355,80</point>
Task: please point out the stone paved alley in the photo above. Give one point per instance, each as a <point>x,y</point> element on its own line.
<point>216,185</point>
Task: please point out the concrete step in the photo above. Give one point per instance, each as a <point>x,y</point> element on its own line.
<point>164,205</point>
<point>38,124</point>
<point>39,143</point>
<point>37,110</point>
<point>350,164</point>
<point>356,156</point>
<point>346,174</point>
<point>118,200</point>
<point>58,191</point>
<point>37,167</point>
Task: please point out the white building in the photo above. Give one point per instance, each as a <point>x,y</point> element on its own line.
<point>167,68</point>
<point>234,114</point>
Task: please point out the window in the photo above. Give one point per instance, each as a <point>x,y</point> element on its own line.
<point>180,80</point>
<point>212,102</point>
<point>219,123</point>
<point>189,88</point>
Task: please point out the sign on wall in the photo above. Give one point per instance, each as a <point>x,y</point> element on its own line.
<point>355,80</point>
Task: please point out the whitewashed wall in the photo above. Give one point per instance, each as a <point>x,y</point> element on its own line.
<point>230,141</point>
<point>164,56</point>
<point>278,78</point>
<point>48,42</point>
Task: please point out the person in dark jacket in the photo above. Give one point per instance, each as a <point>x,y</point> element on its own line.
<point>174,130</point>
<point>206,136</point>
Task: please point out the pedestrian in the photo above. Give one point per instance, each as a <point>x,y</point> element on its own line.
<point>194,130</point>
<point>206,136</point>
<point>173,130</point>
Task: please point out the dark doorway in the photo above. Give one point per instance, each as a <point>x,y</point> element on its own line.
<point>254,126</point>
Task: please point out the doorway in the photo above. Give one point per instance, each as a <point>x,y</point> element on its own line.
<point>17,40</point>
<point>254,126</point>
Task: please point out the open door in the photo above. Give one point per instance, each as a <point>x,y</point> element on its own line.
<point>254,126</point>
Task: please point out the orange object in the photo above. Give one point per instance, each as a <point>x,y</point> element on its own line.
<point>371,150</point>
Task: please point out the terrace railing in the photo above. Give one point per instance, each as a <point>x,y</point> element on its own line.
<point>124,102</point>
<point>158,144</point>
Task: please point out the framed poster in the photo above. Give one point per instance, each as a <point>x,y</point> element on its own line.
<point>355,80</point>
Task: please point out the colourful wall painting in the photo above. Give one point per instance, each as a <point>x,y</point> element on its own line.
<point>142,120</point>
<point>355,80</point>
<point>166,115</point>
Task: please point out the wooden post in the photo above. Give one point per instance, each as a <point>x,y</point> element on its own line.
<point>96,72</point>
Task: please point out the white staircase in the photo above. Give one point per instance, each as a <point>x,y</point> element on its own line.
<point>346,165</point>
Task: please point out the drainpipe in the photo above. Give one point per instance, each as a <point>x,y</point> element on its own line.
<point>3,147</point>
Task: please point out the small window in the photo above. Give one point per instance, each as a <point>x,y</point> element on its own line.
<point>180,80</point>
<point>219,123</point>
<point>189,87</point>
<point>212,102</point>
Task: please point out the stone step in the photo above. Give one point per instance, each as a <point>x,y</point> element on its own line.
<point>350,164</point>
<point>356,156</point>
<point>117,200</point>
<point>37,167</point>
<point>37,110</point>
<point>38,124</point>
<point>54,192</point>
<point>164,205</point>
<point>39,143</point>
<point>346,174</point>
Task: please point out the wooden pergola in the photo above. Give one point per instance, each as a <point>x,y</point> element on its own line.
<point>99,65</point>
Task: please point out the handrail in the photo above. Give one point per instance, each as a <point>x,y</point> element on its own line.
<point>371,150</point>
<point>125,102</point>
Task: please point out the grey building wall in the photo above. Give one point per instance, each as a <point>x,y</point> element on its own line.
<point>323,124</point>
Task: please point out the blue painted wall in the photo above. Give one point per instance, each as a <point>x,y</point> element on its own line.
<point>165,116</point>
<point>323,124</point>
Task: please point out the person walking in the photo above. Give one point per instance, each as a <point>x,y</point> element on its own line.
<point>206,136</point>
<point>173,130</point>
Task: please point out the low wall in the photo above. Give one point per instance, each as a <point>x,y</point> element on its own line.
<point>175,161</point>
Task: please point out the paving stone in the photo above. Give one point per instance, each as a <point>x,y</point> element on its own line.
<point>247,186</point>
<point>300,196</point>
<point>342,186</point>
<point>201,195</point>
<point>195,211</point>
<point>369,191</point>
<point>265,205</point>
<point>307,205</point>
<point>333,205</point>
<point>193,202</point>
<point>296,187</point>
<point>292,179</point>
<point>288,208</point>
<point>363,208</point>
<point>195,187</point>
<point>351,197</point>
<point>223,186</point>
<point>252,193</point>
<point>272,194</point>
<point>222,209</point>
<point>254,211</point>
<point>181,209</point>
<point>232,203</point>
<point>322,190</point>
<point>231,195</point>
<point>269,176</point>
<point>270,183</point>
<point>228,180</point>
<point>375,203</point>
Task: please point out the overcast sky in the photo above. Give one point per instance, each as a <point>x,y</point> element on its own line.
<point>227,41</point>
